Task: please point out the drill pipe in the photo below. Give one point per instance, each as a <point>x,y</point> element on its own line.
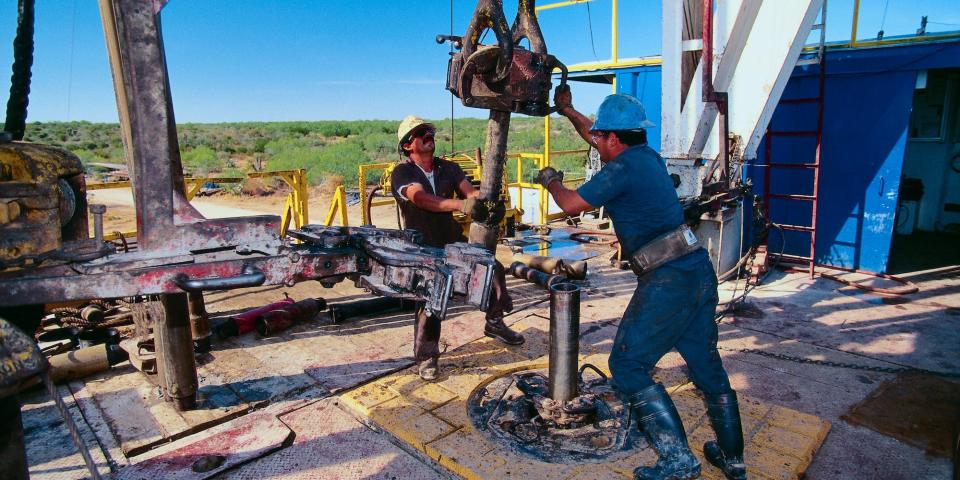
<point>532,275</point>
<point>176,365</point>
<point>491,177</point>
<point>575,270</point>
<point>341,312</point>
<point>199,322</point>
<point>544,264</point>
<point>564,341</point>
<point>84,362</point>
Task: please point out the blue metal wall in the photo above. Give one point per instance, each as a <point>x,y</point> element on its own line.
<point>869,96</point>
<point>644,83</point>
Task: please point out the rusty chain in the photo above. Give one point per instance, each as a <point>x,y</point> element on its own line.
<point>828,363</point>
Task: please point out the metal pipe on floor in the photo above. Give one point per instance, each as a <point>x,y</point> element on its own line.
<point>532,275</point>
<point>564,341</point>
<point>542,263</point>
<point>341,312</point>
<point>575,270</point>
<point>176,365</point>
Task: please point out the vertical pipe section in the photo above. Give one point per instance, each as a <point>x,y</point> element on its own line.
<point>176,366</point>
<point>491,176</point>
<point>717,98</point>
<point>199,322</point>
<point>564,341</point>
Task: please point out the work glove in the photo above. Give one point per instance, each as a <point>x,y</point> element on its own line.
<point>548,175</point>
<point>562,98</point>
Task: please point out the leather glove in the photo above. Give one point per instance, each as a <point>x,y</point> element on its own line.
<point>547,176</point>
<point>562,98</point>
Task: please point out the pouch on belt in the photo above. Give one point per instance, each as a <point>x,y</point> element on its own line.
<point>666,247</point>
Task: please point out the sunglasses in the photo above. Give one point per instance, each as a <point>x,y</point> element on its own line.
<point>423,132</point>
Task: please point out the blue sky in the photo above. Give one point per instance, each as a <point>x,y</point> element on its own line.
<point>244,60</point>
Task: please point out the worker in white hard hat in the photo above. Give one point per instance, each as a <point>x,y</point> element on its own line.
<point>674,302</point>
<point>426,188</point>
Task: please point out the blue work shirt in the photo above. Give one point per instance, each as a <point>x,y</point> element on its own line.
<point>638,194</point>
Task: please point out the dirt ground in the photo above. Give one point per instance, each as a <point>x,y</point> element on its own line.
<point>121,215</point>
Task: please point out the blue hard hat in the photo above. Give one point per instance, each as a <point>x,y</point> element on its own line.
<point>621,112</point>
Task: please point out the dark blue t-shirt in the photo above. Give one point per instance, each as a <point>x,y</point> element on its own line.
<point>639,196</point>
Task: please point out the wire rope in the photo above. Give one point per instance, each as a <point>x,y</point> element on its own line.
<point>453,143</point>
<point>590,28</point>
<point>73,39</point>
<point>883,19</point>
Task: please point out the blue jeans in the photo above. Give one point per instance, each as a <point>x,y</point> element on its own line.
<point>671,308</point>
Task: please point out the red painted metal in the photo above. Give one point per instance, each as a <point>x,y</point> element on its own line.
<point>767,153</point>
<point>809,260</point>
<point>706,55</point>
<point>719,99</point>
<point>246,321</point>
<point>816,171</point>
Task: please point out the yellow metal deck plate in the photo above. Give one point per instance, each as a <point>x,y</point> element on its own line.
<point>432,418</point>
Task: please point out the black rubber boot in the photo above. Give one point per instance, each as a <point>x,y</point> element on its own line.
<point>660,422</point>
<point>495,328</point>
<point>726,453</point>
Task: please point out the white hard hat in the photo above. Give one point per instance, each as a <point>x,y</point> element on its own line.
<point>407,126</point>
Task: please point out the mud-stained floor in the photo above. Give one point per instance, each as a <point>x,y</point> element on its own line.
<point>296,392</point>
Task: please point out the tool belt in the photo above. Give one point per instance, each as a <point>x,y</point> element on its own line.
<point>666,247</point>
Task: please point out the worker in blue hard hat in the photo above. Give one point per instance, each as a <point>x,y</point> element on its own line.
<point>426,188</point>
<point>676,295</point>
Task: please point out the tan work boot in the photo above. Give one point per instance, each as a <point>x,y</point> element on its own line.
<point>428,369</point>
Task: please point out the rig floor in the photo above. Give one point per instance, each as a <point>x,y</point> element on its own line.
<point>343,401</point>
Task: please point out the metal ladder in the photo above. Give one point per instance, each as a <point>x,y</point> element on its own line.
<point>819,59</point>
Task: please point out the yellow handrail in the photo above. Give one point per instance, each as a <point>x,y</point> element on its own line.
<point>856,19</point>
<point>338,204</point>
<point>295,208</point>
<point>362,184</point>
<point>543,195</point>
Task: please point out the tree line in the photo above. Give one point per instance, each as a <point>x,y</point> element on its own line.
<point>323,148</point>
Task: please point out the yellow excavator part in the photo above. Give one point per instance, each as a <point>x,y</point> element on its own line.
<point>42,200</point>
